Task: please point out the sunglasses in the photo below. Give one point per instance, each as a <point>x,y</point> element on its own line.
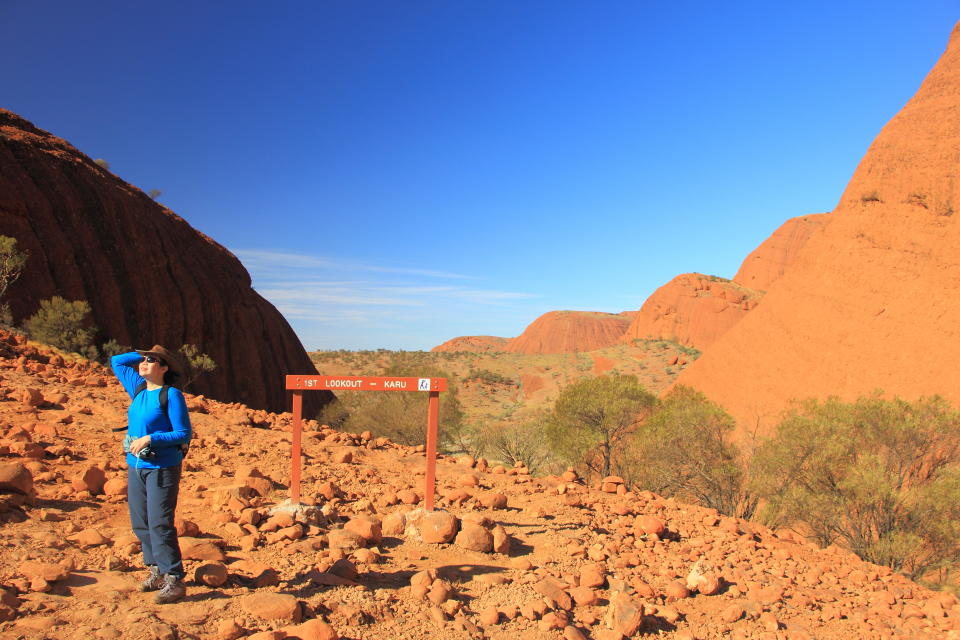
<point>152,360</point>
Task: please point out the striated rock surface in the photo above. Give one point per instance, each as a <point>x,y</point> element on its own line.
<point>770,260</point>
<point>871,300</point>
<point>473,344</point>
<point>692,309</point>
<point>147,274</point>
<point>570,332</point>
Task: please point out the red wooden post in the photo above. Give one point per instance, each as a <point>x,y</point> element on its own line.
<point>295,454</point>
<point>298,384</point>
<point>433,420</point>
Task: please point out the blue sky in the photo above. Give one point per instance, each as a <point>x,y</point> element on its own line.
<point>394,174</point>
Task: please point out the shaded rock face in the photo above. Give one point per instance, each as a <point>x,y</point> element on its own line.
<point>692,309</point>
<point>570,332</point>
<point>147,274</point>
<point>770,260</point>
<point>473,344</point>
<point>871,300</point>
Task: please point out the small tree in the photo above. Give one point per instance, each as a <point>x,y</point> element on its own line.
<point>63,324</point>
<point>154,193</point>
<point>591,418</point>
<point>197,363</point>
<point>881,477</point>
<point>102,163</point>
<point>12,262</point>
<point>683,450</point>
<point>112,348</point>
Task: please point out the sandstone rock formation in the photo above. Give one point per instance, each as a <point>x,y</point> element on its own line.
<point>870,301</point>
<point>570,332</point>
<point>473,344</point>
<point>692,309</point>
<point>770,260</point>
<point>147,274</point>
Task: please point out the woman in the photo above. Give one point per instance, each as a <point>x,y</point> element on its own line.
<point>154,437</point>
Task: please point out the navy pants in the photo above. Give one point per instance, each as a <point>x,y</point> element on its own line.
<point>152,498</point>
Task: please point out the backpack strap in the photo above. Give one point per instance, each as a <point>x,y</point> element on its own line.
<point>163,394</point>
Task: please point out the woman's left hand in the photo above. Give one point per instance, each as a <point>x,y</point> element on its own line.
<point>137,445</point>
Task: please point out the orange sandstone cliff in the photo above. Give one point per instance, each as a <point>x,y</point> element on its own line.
<point>569,332</point>
<point>692,309</point>
<point>770,260</point>
<point>871,299</point>
<point>473,344</point>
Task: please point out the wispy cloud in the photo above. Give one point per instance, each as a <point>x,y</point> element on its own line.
<point>318,293</point>
<point>267,260</point>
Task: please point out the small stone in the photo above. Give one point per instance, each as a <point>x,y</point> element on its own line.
<point>646,524</point>
<point>367,527</point>
<point>212,574</point>
<point>272,606</point>
<point>489,616</point>
<point>554,591</point>
<point>474,537</point>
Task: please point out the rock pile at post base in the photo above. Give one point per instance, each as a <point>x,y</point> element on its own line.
<point>505,555</point>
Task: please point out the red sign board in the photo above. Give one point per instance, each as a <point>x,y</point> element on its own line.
<point>364,383</point>
<point>431,386</point>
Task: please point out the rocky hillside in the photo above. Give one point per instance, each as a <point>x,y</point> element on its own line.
<point>869,301</point>
<point>553,332</point>
<point>692,309</point>
<point>148,275</point>
<point>773,257</point>
<point>473,344</point>
<point>506,555</point>
<point>570,332</point>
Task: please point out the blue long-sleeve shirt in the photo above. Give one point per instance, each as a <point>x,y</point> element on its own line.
<point>145,416</point>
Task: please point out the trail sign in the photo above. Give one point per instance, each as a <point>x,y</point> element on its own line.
<point>431,386</point>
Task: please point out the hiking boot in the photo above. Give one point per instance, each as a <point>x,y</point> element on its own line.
<point>171,591</point>
<point>154,581</point>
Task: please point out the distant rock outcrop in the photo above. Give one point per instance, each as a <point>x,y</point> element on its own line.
<point>692,309</point>
<point>871,300</point>
<point>147,274</point>
<point>473,344</point>
<point>570,332</point>
<point>771,259</point>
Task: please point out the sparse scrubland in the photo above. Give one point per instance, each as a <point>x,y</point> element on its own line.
<point>877,476</point>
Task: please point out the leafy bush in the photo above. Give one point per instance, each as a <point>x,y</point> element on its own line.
<point>63,324</point>
<point>591,418</point>
<point>198,362</point>
<point>12,262</point>
<point>511,443</point>
<point>683,450</point>
<point>881,477</point>
<point>112,348</point>
<point>489,377</point>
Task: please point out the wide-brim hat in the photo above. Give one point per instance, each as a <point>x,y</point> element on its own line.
<point>174,359</point>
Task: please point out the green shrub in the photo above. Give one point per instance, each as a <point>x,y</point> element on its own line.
<point>512,443</point>
<point>591,418</point>
<point>683,450</point>
<point>12,262</point>
<point>881,477</point>
<point>198,362</point>
<point>63,324</point>
<point>112,348</point>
